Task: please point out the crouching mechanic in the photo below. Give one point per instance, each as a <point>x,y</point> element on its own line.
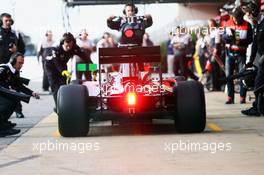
<point>9,79</point>
<point>56,63</point>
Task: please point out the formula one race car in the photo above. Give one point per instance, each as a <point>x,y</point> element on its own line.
<point>136,92</point>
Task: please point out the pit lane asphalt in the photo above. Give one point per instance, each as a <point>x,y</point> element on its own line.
<point>139,149</point>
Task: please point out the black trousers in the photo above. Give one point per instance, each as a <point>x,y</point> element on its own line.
<point>179,62</point>
<point>215,75</point>
<point>56,80</point>
<point>87,75</point>
<point>45,81</point>
<point>7,107</point>
<point>259,82</point>
<point>18,108</point>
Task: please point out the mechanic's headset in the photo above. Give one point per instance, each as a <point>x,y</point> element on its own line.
<point>83,30</point>
<point>47,32</point>
<point>13,58</point>
<point>5,15</point>
<point>135,9</point>
<point>68,37</point>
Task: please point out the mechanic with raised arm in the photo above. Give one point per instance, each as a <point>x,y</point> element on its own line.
<point>10,80</point>
<point>119,23</point>
<point>56,63</point>
<point>132,28</point>
<point>257,56</point>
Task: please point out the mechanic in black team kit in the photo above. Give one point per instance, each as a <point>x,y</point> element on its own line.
<point>132,28</point>
<point>56,63</point>
<point>10,80</point>
<point>139,25</point>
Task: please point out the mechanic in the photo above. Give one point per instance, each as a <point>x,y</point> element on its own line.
<point>9,79</point>
<point>7,38</point>
<point>214,54</point>
<point>183,52</point>
<point>45,49</point>
<point>56,63</point>
<point>88,46</point>
<point>132,28</point>
<point>170,56</point>
<point>257,56</point>
<point>118,23</point>
<point>106,41</point>
<point>238,35</point>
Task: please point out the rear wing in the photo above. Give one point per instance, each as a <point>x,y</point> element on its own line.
<point>129,55</point>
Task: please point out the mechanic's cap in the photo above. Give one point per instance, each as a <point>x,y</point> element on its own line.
<point>222,10</point>
<point>229,7</point>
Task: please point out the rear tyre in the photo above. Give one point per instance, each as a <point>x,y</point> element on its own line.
<point>261,103</point>
<point>72,112</point>
<point>190,112</point>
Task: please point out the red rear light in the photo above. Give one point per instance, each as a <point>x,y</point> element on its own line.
<point>131,99</point>
<point>147,67</point>
<point>129,33</point>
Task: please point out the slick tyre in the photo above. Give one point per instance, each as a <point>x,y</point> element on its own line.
<point>261,103</point>
<point>73,120</point>
<point>190,112</point>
